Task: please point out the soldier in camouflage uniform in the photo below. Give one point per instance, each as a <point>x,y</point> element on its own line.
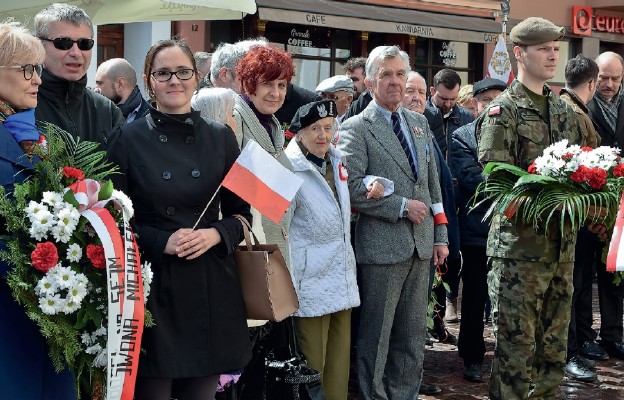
<point>530,277</point>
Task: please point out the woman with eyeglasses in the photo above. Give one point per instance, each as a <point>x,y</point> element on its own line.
<point>172,162</point>
<point>26,371</point>
<point>265,72</point>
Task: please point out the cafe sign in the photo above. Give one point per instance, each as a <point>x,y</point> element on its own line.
<point>584,22</point>
<point>300,38</point>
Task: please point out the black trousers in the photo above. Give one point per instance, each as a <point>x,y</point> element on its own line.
<point>588,253</point>
<point>610,297</point>
<point>471,345</point>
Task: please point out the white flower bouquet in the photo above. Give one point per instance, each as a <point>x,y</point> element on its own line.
<point>75,265</point>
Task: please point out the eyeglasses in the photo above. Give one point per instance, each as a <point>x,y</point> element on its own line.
<point>65,43</point>
<point>28,69</point>
<point>182,74</point>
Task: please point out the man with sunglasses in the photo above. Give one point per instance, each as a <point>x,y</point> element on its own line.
<point>66,33</point>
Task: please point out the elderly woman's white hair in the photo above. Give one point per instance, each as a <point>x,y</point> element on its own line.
<point>216,104</point>
<point>17,45</point>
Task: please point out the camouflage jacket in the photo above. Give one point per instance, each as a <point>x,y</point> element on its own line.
<point>591,137</point>
<point>512,130</point>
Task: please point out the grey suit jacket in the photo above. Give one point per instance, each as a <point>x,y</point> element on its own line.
<point>372,148</point>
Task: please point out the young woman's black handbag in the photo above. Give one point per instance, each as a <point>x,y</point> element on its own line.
<point>290,379</point>
<point>278,369</point>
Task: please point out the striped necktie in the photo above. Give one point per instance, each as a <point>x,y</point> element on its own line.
<point>396,127</point>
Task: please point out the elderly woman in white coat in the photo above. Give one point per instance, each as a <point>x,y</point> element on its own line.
<point>322,263</point>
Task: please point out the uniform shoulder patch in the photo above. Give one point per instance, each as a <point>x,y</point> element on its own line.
<point>494,110</point>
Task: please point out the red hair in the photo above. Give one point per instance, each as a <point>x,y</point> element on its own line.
<point>264,64</point>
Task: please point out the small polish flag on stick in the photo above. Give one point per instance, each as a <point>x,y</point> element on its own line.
<point>615,257</point>
<point>262,181</point>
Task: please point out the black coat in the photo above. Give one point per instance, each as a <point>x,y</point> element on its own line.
<point>296,96</point>
<point>76,108</point>
<point>465,165</point>
<point>607,135</point>
<point>171,168</point>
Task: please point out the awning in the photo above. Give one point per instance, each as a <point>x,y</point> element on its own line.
<point>363,17</point>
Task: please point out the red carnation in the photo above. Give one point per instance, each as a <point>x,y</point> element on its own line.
<point>580,175</point>
<point>532,169</point>
<point>45,256</point>
<point>567,156</point>
<point>71,172</point>
<point>289,135</point>
<point>618,171</point>
<point>586,148</point>
<point>597,178</point>
<point>96,255</point>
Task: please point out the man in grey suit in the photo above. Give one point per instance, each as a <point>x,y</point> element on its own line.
<point>396,236</point>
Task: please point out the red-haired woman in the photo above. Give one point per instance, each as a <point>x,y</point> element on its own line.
<point>265,72</point>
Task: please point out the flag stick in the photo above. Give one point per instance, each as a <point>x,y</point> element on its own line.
<point>206,208</point>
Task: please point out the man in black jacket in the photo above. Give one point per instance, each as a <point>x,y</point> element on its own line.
<point>116,79</point>
<point>465,166</point>
<point>66,32</point>
<point>606,109</point>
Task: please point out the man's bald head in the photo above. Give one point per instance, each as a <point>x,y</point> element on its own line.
<point>610,70</point>
<point>115,79</point>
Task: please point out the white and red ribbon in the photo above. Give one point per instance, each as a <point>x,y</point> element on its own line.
<point>126,307</point>
<point>615,257</point>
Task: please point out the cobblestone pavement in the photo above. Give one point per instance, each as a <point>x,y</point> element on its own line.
<point>444,368</point>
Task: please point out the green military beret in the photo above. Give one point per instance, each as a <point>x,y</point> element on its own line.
<point>535,30</point>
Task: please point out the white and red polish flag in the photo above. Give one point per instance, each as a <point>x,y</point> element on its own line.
<point>262,181</point>
<point>615,257</point>
<point>500,64</point>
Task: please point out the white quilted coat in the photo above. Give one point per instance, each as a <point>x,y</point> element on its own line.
<point>322,259</point>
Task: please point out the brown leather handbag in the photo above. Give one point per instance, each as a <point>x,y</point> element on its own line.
<point>265,280</point>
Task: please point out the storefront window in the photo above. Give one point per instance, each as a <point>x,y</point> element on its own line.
<point>318,52</point>
<point>433,55</point>
<point>564,56</point>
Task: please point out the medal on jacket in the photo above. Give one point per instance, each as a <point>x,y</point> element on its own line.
<point>427,152</point>
<point>417,131</point>
<point>342,172</point>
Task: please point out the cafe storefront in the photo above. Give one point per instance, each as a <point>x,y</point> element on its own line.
<point>322,35</point>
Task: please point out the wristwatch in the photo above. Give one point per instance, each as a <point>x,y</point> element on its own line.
<point>405,210</point>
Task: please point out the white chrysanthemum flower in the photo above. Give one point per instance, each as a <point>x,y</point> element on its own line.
<point>101,360</point>
<point>50,304</point>
<point>46,287</point>
<point>101,331</point>
<point>96,348</point>
<point>63,276</point>
<point>52,198</point>
<point>74,252</point>
<point>70,306</point>
<point>549,166</point>
<point>44,218</point>
<point>81,279</point>
<point>38,232</point>
<point>33,208</point>
<point>68,217</point>
<point>125,201</point>
<point>62,233</point>
<point>86,339</point>
<point>76,293</point>
<point>148,276</point>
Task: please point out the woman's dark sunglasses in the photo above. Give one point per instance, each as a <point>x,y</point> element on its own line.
<point>65,43</point>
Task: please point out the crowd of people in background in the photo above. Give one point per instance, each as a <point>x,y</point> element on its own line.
<point>390,168</point>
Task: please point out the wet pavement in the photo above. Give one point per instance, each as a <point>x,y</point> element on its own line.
<point>444,368</point>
